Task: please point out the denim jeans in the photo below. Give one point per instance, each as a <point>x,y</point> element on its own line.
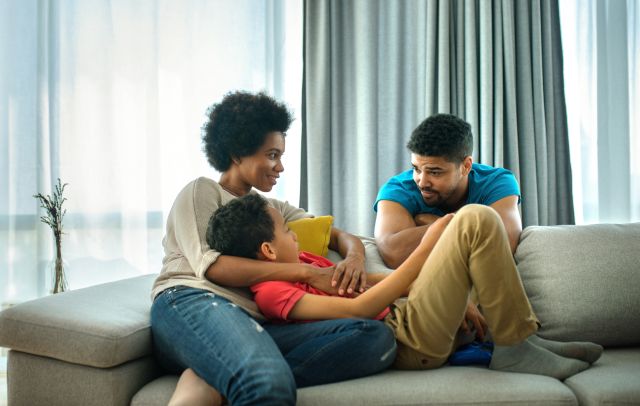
<point>253,363</point>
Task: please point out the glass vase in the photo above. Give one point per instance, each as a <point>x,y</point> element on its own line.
<point>58,277</point>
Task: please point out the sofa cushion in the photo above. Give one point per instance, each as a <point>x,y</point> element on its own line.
<point>157,392</point>
<point>584,281</point>
<point>613,380</point>
<point>314,233</point>
<point>443,386</point>
<point>101,326</point>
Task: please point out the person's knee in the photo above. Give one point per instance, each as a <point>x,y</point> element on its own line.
<point>271,384</point>
<point>478,210</point>
<point>382,341</point>
<point>480,215</point>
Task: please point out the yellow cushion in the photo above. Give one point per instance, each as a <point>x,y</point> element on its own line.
<point>313,233</point>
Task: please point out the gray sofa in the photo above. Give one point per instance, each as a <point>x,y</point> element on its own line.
<point>93,346</point>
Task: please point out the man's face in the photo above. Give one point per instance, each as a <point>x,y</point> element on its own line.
<point>440,181</point>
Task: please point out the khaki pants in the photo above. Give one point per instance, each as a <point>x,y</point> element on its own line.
<point>473,252</point>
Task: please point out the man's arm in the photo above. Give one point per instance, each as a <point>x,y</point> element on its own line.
<point>396,233</point>
<point>507,208</point>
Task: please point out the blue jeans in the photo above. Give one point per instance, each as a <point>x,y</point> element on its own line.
<point>252,363</point>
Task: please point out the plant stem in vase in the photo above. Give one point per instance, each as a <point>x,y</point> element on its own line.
<point>53,218</point>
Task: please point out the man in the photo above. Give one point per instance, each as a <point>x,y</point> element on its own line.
<point>443,179</point>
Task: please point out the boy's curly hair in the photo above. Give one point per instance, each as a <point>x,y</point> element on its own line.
<point>238,125</point>
<point>241,226</point>
<point>442,135</point>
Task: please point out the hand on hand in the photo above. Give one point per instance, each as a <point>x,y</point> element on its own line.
<point>473,319</point>
<point>321,278</point>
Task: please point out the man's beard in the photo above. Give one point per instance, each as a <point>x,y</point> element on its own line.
<point>435,200</point>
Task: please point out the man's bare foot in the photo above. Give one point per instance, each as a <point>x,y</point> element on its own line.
<point>194,391</point>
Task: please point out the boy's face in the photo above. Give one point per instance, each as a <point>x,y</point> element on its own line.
<point>285,241</point>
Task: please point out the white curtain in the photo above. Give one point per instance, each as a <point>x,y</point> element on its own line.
<point>109,96</point>
<point>601,45</point>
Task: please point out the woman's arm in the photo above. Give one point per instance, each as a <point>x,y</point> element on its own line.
<point>349,275</point>
<point>242,272</point>
<point>374,300</point>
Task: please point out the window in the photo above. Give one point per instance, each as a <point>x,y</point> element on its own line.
<point>110,97</point>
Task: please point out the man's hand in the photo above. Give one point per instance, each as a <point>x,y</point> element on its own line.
<point>349,275</point>
<point>474,319</point>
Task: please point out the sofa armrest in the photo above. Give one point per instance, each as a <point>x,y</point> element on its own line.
<point>100,326</point>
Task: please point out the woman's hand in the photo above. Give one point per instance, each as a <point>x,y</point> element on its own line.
<point>474,319</point>
<point>321,278</point>
<point>350,275</point>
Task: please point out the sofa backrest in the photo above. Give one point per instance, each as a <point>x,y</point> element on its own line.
<point>584,281</point>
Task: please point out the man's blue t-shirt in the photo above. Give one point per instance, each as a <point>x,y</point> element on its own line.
<point>487,185</point>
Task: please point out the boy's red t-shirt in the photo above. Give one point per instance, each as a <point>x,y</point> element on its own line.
<point>276,298</point>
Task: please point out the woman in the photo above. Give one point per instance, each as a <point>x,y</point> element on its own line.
<point>203,317</point>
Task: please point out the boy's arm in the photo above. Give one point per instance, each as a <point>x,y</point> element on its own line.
<point>375,278</point>
<point>373,301</point>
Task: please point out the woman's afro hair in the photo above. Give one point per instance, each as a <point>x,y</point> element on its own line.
<point>238,125</point>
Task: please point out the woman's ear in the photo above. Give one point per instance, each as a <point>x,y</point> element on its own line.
<point>267,252</point>
<point>236,160</point>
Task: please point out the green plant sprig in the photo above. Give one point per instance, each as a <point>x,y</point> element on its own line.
<point>53,208</point>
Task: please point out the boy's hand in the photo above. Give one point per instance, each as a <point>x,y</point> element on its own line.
<point>435,230</point>
<point>349,275</point>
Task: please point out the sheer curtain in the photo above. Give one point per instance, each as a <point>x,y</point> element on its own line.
<point>601,43</point>
<point>109,96</point>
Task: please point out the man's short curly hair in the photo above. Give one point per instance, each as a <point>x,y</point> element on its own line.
<point>442,135</point>
<point>238,125</point>
<point>241,226</point>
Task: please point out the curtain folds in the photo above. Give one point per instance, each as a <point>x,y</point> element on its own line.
<point>375,69</point>
<point>110,95</point>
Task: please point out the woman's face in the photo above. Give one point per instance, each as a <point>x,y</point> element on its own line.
<point>262,169</point>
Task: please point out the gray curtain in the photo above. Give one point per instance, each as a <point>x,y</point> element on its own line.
<point>375,69</point>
